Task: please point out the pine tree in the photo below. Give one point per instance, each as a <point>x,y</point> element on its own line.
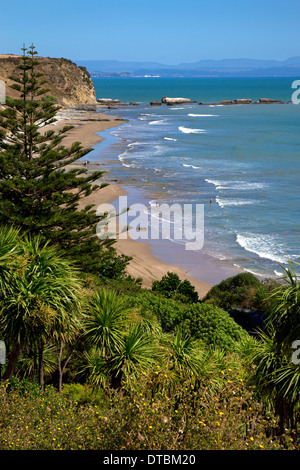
<point>37,193</point>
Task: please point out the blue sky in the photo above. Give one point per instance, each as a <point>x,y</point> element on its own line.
<point>167,31</point>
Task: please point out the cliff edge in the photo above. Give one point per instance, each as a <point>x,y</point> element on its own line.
<point>70,84</point>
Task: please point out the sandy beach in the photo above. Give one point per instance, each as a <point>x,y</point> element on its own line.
<point>87,124</point>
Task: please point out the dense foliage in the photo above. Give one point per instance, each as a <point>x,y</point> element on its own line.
<point>81,418</point>
<point>200,320</point>
<point>172,287</point>
<point>243,291</point>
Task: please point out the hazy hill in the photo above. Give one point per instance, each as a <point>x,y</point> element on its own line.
<point>215,68</point>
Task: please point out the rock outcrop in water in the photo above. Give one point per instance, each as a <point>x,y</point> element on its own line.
<point>108,101</point>
<point>268,101</point>
<point>243,101</point>
<point>171,101</point>
<point>69,84</point>
<point>238,101</point>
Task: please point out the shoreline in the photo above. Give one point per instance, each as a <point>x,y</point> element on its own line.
<point>150,260</point>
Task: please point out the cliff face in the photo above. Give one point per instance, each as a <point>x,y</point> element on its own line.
<point>69,84</point>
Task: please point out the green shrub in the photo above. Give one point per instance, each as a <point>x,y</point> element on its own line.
<point>83,394</point>
<point>23,386</point>
<point>171,286</point>
<point>200,320</point>
<point>212,325</point>
<point>241,291</point>
<point>168,311</point>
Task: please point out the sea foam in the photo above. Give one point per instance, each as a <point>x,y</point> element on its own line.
<point>203,115</point>
<point>236,184</point>
<point>153,123</point>
<point>186,130</point>
<point>232,202</point>
<point>263,245</point>
<point>192,166</point>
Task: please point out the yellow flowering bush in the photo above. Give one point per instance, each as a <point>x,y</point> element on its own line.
<point>193,417</point>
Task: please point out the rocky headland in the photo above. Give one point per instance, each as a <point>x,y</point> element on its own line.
<point>69,84</point>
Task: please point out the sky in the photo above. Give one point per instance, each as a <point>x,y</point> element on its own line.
<point>166,31</point>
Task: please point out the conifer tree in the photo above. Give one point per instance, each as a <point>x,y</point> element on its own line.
<point>37,193</point>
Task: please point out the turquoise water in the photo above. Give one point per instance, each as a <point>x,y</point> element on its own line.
<point>200,89</point>
<point>246,158</point>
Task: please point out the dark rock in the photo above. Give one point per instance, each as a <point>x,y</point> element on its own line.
<point>268,101</point>
<point>243,101</point>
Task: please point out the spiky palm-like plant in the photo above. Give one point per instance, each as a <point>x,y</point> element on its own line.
<point>29,361</point>
<point>107,318</point>
<point>122,342</point>
<point>276,376</point>
<point>184,353</point>
<point>9,253</point>
<point>137,353</point>
<point>44,293</point>
<point>285,315</point>
<point>180,356</point>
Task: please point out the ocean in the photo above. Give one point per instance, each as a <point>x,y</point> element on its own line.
<point>245,158</point>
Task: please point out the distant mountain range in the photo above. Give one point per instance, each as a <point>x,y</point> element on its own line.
<point>202,68</point>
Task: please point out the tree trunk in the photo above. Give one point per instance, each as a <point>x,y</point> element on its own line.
<point>41,367</point>
<point>61,369</point>
<point>12,361</point>
<point>116,380</point>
